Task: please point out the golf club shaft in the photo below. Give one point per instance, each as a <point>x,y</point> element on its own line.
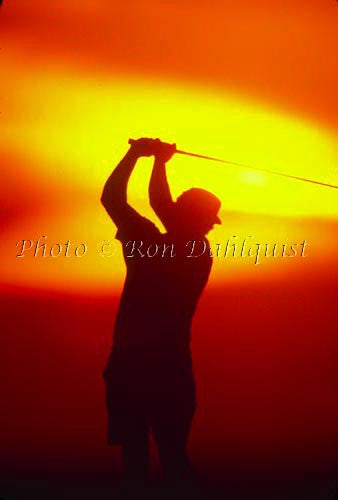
<point>257,169</point>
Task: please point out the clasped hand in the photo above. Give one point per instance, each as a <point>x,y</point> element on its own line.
<point>153,147</point>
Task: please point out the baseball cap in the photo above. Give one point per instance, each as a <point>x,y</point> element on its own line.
<point>201,203</point>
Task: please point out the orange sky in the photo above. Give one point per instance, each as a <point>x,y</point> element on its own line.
<point>248,81</point>
<point>252,81</point>
<point>281,51</point>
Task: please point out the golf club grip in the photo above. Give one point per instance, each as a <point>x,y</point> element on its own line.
<point>132,141</point>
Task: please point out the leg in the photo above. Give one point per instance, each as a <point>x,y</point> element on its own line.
<point>135,451</point>
<point>171,412</point>
<point>171,435</point>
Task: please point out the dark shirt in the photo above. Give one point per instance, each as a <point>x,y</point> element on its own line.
<point>161,292</point>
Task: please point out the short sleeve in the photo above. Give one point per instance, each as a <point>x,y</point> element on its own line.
<point>136,227</point>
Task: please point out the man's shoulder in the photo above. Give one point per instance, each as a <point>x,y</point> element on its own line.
<point>140,228</point>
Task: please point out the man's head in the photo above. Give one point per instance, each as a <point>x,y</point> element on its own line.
<point>196,211</point>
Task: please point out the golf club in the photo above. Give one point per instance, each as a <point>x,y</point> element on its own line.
<point>243,165</point>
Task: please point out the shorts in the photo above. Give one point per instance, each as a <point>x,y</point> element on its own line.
<point>149,388</point>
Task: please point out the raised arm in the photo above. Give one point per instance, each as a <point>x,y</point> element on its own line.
<point>159,191</point>
<point>114,195</point>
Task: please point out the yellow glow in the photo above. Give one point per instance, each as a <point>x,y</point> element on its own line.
<point>78,129</point>
<point>71,132</point>
<point>251,177</point>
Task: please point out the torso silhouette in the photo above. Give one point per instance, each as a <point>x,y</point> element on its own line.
<point>161,291</point>
<point>149,370</point>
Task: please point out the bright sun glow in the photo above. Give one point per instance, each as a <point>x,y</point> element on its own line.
<point>71,131</point>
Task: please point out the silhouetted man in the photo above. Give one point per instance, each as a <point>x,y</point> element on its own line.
<point>148,376</point>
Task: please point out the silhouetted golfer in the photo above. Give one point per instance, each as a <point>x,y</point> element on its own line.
<point>148,376</point>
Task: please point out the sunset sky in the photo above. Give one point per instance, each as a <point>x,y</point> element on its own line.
<point>253,82</point>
